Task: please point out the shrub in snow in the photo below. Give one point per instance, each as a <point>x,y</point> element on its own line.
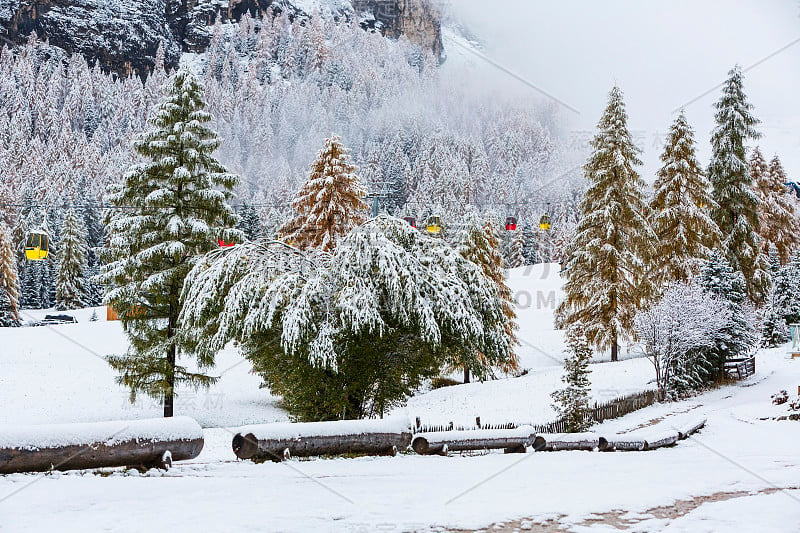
<point>176,210</point>
<point>572,402</point>
<point>736,209</point>
<point>780,398</point>
<point>606,278</point>
<point>352,333</point>
<point>681,333</point>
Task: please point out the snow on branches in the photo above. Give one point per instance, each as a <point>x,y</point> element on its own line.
<point>679,332</point>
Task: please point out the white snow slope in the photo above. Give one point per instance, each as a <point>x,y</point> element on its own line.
<point>46,375</point>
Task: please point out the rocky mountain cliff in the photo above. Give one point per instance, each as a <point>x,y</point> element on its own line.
<point>124,35</point>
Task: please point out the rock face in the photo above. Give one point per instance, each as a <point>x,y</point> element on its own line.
<point>419,20</point>
<point>124,35</point>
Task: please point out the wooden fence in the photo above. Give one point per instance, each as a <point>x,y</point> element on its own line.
<point>605,411</point>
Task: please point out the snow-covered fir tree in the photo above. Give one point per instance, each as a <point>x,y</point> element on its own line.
<point>572,402</point>
<point>606,275</point>
<point>9,283</point>
<point>516,251</point>
<point>176,209</point>
<point>736,206</point>
<point>778,213</point>
<point>479,243</point>
<point>530,245</point>
<point>71,278</point>
<point>330,204</point>
<point>786,291</point>
<point>774,330</point>
<point>352,333</point>
<point>681,333</point>
<point>249,222</point>
<point>685,233</point>
<point>739,335</point>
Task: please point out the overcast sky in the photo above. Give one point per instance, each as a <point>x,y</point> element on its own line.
<point>662,54</point>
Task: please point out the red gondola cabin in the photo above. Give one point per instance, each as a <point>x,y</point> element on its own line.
<point>511,223</point>
<point>411,221</point>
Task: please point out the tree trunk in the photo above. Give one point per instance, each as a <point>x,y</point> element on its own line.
<point>466,375</point>
<point>615,351</point>
<point>140,443</point>
<point>169,395</point>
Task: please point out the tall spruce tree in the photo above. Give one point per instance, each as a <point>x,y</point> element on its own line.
<point>479,244</point>
<point>9,283</point>
<point>530,245</point>
<point>329,204</point>
<point>71,278</point>
<point>516,251</point>
<point>685,233</point>
<point>176,210</point>
<point>778,212</point>
<point>737,204</point>
<point>606,276</point>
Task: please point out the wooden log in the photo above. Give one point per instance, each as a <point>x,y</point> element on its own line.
<point>690,427</point>
<point>440,442</point>
<point>551,442</point>
<point>621,443</point>
<point>280,441</point>
<point>132,443</point>
<point>660,440</point>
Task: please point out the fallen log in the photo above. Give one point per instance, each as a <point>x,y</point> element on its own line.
<point>690,427</point>
<point>284,440</point>
<point>660,440</point>
<point>551,442</point>
<point>131,443</point>
<point>621,443</point>
<point>440,442</point>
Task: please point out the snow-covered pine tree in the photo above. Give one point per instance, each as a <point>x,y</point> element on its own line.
<point>786,298</point>
<point>479,244</point>
<point>516,254</point>
<point>572,402</point>
<point>178,202</point>
<point>329,204</point>
<point>606,274</point>
<point>685,233</point>
<point>71,278</point>
<point>531,245</point>
<point>9,283</point>
<point>737,204</point>
<point>774,330</point>
<point>778,214</point>
<point>739,336</point>
<point>250,222</point>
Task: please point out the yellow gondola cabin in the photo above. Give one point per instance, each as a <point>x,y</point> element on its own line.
<point>434,225</point>
<point>544,222</point>
<point>37,246</point>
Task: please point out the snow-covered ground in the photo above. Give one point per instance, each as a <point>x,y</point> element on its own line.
<point>725,477</point>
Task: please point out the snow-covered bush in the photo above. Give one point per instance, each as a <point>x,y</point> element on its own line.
<point>780,398</point>
<point>680,334</point>
<point>351,333</point>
